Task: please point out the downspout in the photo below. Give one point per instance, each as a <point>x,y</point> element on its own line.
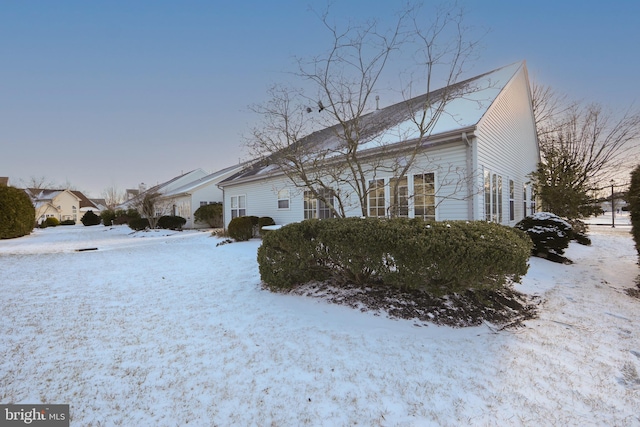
<point>471,199</point>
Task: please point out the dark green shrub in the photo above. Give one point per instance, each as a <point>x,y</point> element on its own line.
<point>52,221</point>
<point>210,214</point>
<point>90,218</point>
<point>633,198</point>
<point>241,228</point>
<point>288,256</point>
<point>17,214</point>
<point>108,216</point>
<point>138,224</point>
<point>441,258</point>
<point>68,222</point>
<point>171,222</point>
<point>550,234</point>
<point>124,217</point>
<point>579,231</point>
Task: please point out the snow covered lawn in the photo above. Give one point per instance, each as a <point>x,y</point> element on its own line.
<point>166,329</point>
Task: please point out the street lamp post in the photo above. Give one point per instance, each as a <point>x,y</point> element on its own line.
<point>613,208</point>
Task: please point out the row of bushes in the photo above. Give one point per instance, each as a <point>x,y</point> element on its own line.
<point>438,257</point>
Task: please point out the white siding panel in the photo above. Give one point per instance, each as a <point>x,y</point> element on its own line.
<point>507,142</point>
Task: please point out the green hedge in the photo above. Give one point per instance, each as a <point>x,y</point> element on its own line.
<point>17,214</point>
<point>210,214</point>
<point>90,218</point>
<point>438,257</point>
<point>171,222</point>
<point>241,228</point>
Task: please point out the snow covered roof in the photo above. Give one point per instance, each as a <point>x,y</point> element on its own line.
<point>465,103</point>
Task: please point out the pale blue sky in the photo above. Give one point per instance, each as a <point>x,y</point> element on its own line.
<point>102,94</point>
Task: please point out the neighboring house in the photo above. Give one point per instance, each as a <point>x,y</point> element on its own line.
<point>4,181</point>
<point>185,200</point>
<point>184,194</point>
<point>473,166</point>
<point>60,204</point>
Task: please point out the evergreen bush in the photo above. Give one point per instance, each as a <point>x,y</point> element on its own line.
<point>550,234</point>
<point>52,222</point>
<point>108,216</point>
<point>68,222</point>
<point>633,199</point>
<point>90,218</point>
<point>138,224</point>
<point>440,258</point>
<point>241,228</point>
<point>210,214</point>
<point>171,222</point>
<point>17,214</point>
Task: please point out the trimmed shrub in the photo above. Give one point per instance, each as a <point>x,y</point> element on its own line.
<point>633,198</point>
<point>124,217</point>
<point>108,216</point>
<point>440,258</point>
<point>171,222</point>
<point>17,214</point>
<point>241,228</point>
<point>68,222</point>
<point>52,222</point>
<point>90,218</point>
<point>550,234</point>
<point>138,224</point>
<point>210,214</point>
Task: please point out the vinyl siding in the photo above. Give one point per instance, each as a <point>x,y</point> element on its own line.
<point>507,143</point>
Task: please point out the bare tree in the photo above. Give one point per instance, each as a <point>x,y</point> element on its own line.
<point>581,147</point>
<point>113,196</point>
<point>39,183</point>
<point>152,205</point>
<point>330,141</point>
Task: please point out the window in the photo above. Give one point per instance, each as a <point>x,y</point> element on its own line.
<point>314,207</point>
<point>533,202</point>
<point>283,199</point>
<point>203,204</point>
<point>399,194</point>
<point>238,206</point>
<point>512,201</point>
<point>492,197</point>
<point>424,196</point>
<point>524,199</point>
<point>376,198</point>
<point>487,195</point>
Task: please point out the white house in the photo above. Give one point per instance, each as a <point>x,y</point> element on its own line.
<point>473,165</point>
<point>184,194</point>
<point>186,199</point>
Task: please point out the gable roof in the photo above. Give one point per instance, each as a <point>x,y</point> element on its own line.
<point>214,178</point>
<point>84,201</point>
<point>468,102</point>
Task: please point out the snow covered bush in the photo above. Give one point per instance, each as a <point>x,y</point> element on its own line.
<point>440,258</point>
<point>90,218</point>
<point>550,234</point>
<point>17,214</point>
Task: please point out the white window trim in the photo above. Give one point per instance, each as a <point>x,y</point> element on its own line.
<point>287,199</point>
